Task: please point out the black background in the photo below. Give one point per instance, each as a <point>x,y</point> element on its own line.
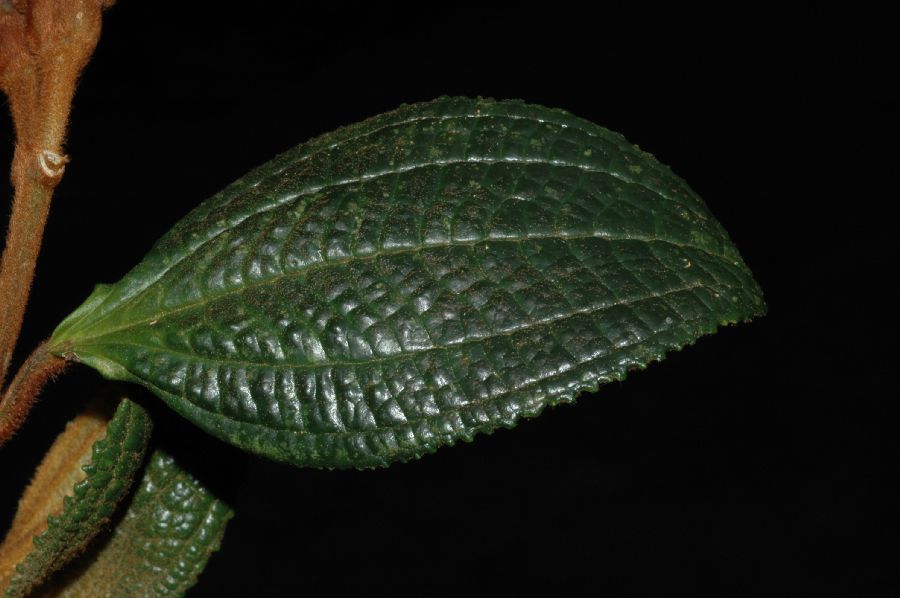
<point>753,463</point>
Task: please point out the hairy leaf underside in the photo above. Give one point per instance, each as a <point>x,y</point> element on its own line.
<point>161,544</point>
<point>82,511</point>
<point>75,492</point>
<point>427,274</point>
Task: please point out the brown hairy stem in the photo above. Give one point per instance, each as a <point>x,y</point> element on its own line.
<point>44,45</point>
<point>23,242</point>
<point>23,391</point>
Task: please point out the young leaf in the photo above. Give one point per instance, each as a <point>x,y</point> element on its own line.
<point>83,478</point>
<point>159,548</point>
<point>399,284</point>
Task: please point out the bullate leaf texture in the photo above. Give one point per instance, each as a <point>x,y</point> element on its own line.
<point>399,284</point>
<point>57,520</point>
<point>170,529</point>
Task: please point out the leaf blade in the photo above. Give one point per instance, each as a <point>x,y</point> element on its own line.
<point>86,510</point>
<point>172,526</point>
<point>414,279</point>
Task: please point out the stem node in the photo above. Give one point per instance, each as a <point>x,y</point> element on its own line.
<point>53,165</point>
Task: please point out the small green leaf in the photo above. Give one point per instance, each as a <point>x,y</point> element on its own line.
<point>159,548</point>
<point>399,284</point>
<point>88,508</point>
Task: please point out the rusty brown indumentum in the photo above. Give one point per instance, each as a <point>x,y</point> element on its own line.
<point>44,46</point>
<point>23,391</point>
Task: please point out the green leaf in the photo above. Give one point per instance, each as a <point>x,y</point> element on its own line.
<point>70,517</point>
<point>159,548</point>
<point>399,284</point>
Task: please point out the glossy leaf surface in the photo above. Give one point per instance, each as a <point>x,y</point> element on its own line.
<point>59,516</point>
<point>402,283</point>
<point>162,543</point>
